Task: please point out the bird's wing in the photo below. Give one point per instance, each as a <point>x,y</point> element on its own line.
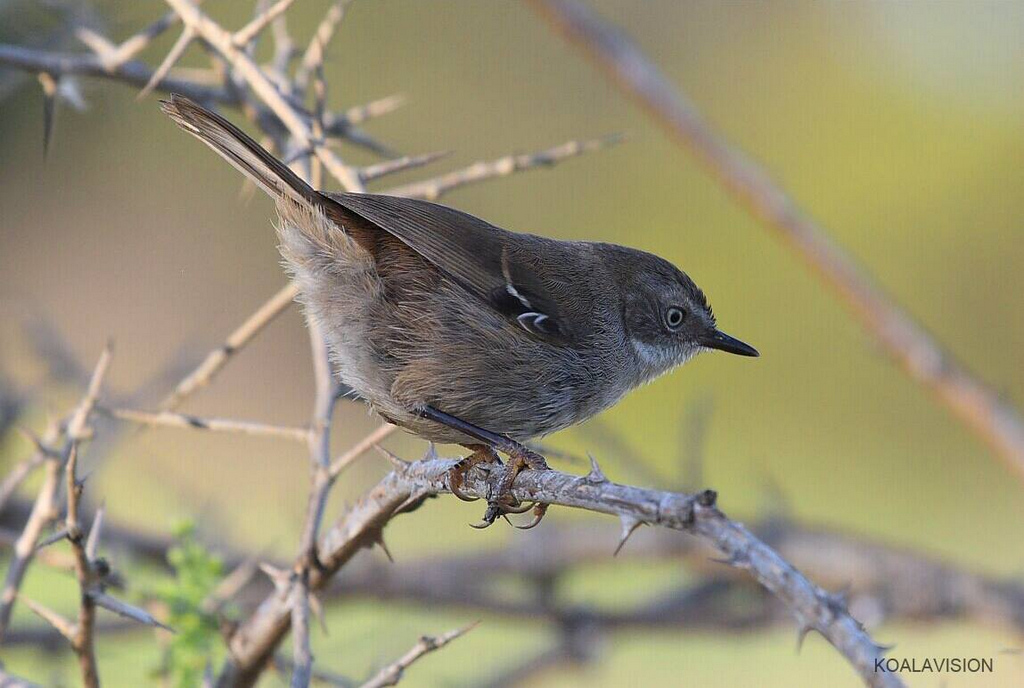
<point>486,260</point>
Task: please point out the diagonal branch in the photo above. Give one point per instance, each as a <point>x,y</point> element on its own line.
<point>204,373</point>
<point>391,674</point>
<point>920,356</point>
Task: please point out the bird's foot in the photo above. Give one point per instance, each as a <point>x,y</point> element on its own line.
<point>502,502</point>
<point>457,475</point>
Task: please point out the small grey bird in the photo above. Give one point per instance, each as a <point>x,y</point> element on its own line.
<point>462,332</point>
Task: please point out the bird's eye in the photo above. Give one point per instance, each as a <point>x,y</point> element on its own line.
<point>674,317</point>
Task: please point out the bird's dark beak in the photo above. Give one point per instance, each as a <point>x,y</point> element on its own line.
<point>723,342</point>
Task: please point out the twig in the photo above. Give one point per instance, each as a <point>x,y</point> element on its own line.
<point>248,33</point>
<point>170,419</point>
<point>920,356</point>
<point>314,54</point>
<point>402,164</point>
<point>236,341</point>
<point>17,476</point>
<point>131,73</point>
<point>433,189</point>
<point>114,57</point>
<point>245,68</point>
<point>44,510</point>
<point>361,447</point>
<point>391,674</point>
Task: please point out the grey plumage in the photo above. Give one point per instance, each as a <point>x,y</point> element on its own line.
<point>424,305</point>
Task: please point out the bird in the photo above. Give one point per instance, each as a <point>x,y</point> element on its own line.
<point>462,332</point>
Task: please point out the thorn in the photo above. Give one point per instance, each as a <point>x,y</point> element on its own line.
<point>383,545</point>
<point>37,442</point>
<point>317,608</point>
<point>92,542</point>
<point>400,464</point>
<point>596,475</point>
<point>629,526</point>
<point>52,539</point>
<point>49,84</point>
<point>801,634</point>
<point>63,626</point>
<point>279,577</point>
<point>127,610</point>
<point>738,560</point>
<point>884,648</point>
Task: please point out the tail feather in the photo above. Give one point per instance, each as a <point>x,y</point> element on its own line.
<point>239,149</point>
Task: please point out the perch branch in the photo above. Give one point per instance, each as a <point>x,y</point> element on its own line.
<point>408,485</point>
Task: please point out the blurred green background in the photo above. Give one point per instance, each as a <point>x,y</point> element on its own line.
<point>897,125</point>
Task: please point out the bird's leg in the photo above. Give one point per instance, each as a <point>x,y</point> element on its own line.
<point>482,453</point>
<point>520,457</point>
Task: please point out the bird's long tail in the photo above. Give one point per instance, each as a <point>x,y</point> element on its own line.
<point>239,149</point>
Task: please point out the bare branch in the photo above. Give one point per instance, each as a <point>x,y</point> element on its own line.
<point>61,624</point>
<point>391,674</point>
<point>170,419</point>
<point>236,341</point>
<point>131,73</point>
<point>252,30</point>
<point>963,393</point>
<point>255,640</point>
<point>44,511</point>
<point>17,475</point>
<point>175,53</point>
<point>314,54</point>
<point>244,66</point>
<point>361,447</point>
<point>433,189</point>
<point>402,164</point>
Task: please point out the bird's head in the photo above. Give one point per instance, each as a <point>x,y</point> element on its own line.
<point>666,316</point>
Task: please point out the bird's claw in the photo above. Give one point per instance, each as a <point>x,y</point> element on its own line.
<point>502,502</point>
<point>539,510</point>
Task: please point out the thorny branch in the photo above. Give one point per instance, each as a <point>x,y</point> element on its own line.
<point>409,484</point>
<point>924,359</point>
